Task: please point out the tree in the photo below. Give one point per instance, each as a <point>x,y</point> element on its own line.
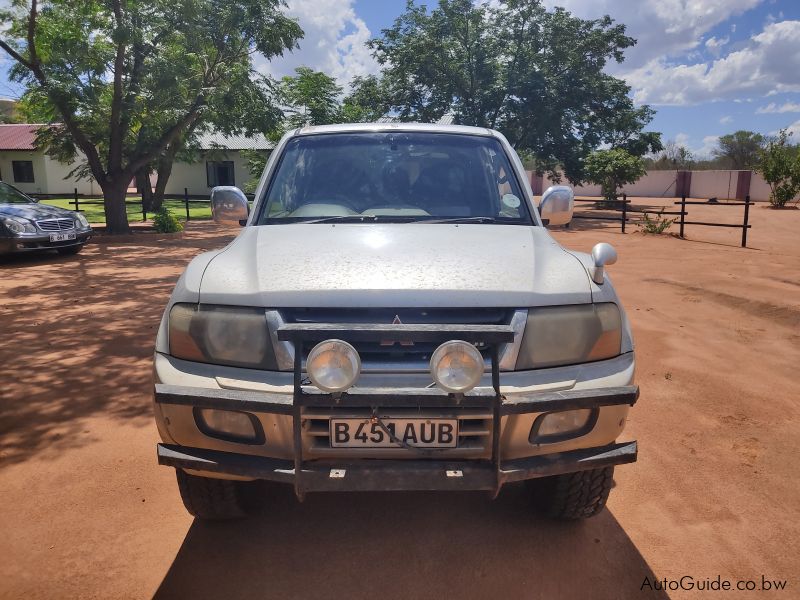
<point>311,98</point>
<point>780,165</point>
<point>129,80</point>
<point>366,101</point>
<point>611,169</point>
<point>535,75</point>
<point>673,156</point>
<point>740,149</point>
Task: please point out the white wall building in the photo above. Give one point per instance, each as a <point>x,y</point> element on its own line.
<point>220,162</point>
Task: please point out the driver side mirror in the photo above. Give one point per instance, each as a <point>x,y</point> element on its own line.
<point>229,205</point>
<point>557,205</point>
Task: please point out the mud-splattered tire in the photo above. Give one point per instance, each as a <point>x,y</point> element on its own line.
<point>573,496</point>
<point>216,499</point>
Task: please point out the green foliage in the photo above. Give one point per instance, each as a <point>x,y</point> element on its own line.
<point>673,156</point>
<point>780,167</point>
<point>538,76</point>
<point>311,97</point>
<point>740,149</point>
<point>611,169</point>
<point>165,222</point>
<point>657,224</point>
<point>256,161</point>
<point>133,82</point>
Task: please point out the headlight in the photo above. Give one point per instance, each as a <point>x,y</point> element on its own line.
<point>333,365</point>
<point>81,222</point>
<point>18,225</point>
<point>457,366</point>
<point>222,335</point>
<point>567,335</point>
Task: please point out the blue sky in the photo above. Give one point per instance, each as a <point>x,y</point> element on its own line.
<point>709,67</point>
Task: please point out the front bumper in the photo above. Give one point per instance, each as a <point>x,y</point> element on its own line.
<point>372,474</point>
<point>34,242</point>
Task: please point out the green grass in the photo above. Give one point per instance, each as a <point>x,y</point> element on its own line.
<point>94,212</point>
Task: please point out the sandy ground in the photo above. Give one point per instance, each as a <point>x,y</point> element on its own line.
<point>86,512</point>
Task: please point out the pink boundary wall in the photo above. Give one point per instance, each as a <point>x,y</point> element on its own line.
<point>672,184</point>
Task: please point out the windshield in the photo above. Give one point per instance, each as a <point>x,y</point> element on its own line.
<point>394,176</point>
<point>10,195</point>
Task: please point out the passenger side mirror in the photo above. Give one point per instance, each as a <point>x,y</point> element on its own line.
<point>602,254</point>
<point>229,205</point>
<point>556,205</point>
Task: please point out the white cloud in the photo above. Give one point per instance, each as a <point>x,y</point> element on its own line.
<point>333,42</point>
<point>770,63</point>
<point>794,129</point>
<point>726,119</point>
<point>663,28</point>
<point>714,45</point>
<point>786,107</point>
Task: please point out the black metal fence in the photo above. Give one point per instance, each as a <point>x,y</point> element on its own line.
<point>623,207</point>
<point>78,200</point>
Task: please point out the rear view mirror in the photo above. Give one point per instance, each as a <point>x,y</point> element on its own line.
<point>556,205</point>
<point>229,205</point>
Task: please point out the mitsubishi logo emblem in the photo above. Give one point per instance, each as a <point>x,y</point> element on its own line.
<point>392,342</point>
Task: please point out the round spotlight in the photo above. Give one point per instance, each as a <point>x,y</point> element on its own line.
<point>333,365</point>
<point>457,366</point>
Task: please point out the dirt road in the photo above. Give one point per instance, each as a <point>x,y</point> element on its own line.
<point>86,512</point>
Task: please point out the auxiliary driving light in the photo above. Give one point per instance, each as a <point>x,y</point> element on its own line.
<point>333,365</point>
<point>562,425</point>
<point>457,366</point>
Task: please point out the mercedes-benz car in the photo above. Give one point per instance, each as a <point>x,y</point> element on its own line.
<point>394,315</point>
<point>26,225</point>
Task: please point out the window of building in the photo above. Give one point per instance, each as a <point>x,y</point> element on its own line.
<point>23,171</point>
<point>220,173</point>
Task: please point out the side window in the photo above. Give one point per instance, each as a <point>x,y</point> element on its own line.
<point>220,173</point>
<point>23,171</point>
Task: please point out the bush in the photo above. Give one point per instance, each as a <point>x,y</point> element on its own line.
<point>165,222</point>
<point>611,169</point>
<point>657,225</point>
<point>780,166</point>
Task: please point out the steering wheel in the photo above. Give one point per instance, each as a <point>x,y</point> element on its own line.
<point>340,169</point>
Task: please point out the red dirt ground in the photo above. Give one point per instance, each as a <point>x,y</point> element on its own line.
<point>86,512</point>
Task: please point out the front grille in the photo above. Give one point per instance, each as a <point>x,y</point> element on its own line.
<point>400,353</point>
<point>474,432</point>
<point>55,224</point>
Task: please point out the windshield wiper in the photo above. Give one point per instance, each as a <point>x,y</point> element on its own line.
<point>460,220</point>
<point>362,219</point>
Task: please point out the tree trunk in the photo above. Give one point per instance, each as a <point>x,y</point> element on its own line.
<point>144,187</point>
<point>114,193</point>
<point>164,171</point>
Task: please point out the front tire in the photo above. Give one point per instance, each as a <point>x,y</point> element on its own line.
<point>214,499</point>
<point>68,250</point>
<point>573,496</point>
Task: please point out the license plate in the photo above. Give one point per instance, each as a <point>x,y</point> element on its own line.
<point>61,237</point>
<point>420,433</point>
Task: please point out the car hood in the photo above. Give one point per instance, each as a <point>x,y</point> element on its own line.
<point>35,212</point>
<point>394,265</point>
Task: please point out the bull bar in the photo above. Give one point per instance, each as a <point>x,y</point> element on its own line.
<point>396,474</point>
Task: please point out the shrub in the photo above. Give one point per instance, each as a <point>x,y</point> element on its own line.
<point>780,166</point>
<point>165,222</point>
<point>657,225</point>
<point>611,169</point>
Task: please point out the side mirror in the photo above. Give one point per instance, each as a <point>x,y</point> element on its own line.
<point>557,204</point>
<point>602,254</point>
<point>229,205</point>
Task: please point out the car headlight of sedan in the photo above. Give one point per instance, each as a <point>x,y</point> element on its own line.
<point>18,225</point>
<point>568,335</point>
<point>81,222</point>
<point>221,335</point>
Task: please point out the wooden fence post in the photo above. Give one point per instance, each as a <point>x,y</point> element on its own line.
<point>76,199</point>
<point>683,214</point>
<point>746,215</point>
<point>186,202</point>
<point>624,210</point>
